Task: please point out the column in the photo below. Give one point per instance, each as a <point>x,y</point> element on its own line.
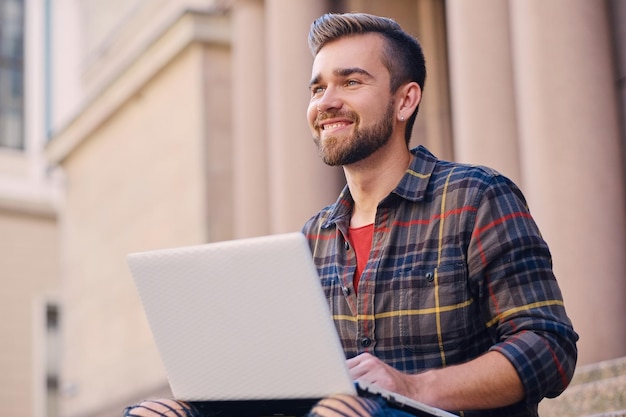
<point>571,160</point>
<point>300,183</point>
<point>617,11</point>
<point>433,126</point>
<point>250,145</point>
<point>481,76</point>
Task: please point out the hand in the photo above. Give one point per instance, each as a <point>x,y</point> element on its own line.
<point>368,368</point>
<point>489,381</point>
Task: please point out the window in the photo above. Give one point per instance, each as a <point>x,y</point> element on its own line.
<point>53,354</point>
<point>11,74</point>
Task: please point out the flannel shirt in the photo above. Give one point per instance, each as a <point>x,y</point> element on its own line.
<point>457,268</point>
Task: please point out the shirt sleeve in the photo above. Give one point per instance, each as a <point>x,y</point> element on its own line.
<point>520,300</point>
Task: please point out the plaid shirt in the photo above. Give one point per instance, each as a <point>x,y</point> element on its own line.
<point>457,268</point>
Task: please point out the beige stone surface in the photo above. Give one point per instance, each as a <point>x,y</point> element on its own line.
<point>29,275</point>
<point>596,389</point>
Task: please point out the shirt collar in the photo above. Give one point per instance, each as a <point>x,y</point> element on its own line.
<point>411,187</point>
<point>413,184</point>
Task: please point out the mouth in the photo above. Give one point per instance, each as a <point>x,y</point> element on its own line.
<point>334,126</point>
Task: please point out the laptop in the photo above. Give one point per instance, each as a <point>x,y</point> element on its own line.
<point>244,325</point>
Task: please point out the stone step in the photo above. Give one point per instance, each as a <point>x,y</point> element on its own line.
<point>619,413</point>
<point>597,390</point>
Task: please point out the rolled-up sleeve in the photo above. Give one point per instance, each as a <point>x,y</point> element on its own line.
<point>520,300</point>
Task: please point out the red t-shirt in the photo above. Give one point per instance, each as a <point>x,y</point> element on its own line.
<point>361,240</point>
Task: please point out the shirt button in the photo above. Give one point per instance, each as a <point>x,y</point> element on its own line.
<point>346,291</point>
<point>429,276</point>
<point>366,342</point>
<point>346,245</point>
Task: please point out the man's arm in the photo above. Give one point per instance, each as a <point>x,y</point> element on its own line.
<point>489,381</point>
<point>510,268</point>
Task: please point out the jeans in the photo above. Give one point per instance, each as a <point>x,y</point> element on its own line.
<point>374,407</point>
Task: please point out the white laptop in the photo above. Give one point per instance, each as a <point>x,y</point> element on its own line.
<point>246,322</point>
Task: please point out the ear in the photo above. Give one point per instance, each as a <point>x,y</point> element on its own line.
<point>408,98</point>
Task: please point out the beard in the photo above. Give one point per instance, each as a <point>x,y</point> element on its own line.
<point>337,151</point>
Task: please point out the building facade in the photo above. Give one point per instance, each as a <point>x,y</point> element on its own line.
<point>29,232</point>
<point>160,123</point>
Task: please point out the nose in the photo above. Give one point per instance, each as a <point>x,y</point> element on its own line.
<point>330,99</point>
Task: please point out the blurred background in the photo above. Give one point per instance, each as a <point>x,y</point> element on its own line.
<point>129,125</point>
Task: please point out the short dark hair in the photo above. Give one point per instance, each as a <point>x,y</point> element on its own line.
<point>402,54</point>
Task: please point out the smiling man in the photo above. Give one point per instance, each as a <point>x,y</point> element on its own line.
<point>438,280</point>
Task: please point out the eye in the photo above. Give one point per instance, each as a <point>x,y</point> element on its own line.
<point>352,83</point>
<point>317,89</point>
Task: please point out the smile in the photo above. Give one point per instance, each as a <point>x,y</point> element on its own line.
<point>335,125</point>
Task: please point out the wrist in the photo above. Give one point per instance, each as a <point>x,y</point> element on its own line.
<point>423,388</point>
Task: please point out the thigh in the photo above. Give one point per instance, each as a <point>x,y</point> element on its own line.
<point>175,408</point>
<point>254,408</point>
<point>161,408</point>
<point>349,406</point>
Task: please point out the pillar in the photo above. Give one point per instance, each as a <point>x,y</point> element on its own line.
<point>250,144</point>
<point>481,76</point>
<point>571,160</point>
<point>300,184</point>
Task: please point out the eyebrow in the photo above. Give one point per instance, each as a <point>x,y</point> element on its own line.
<point>342,72</point>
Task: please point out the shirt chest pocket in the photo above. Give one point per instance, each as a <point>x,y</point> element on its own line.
<point>433,308</point>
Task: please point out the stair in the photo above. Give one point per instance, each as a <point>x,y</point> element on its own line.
<point>597,390</point>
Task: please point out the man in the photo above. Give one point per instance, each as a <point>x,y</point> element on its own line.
<point>438,280</point>
<point>437,277</point>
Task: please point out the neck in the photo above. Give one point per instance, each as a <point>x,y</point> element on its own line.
<point>372,179</point>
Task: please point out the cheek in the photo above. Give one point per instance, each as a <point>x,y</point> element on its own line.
<point>311,114</point>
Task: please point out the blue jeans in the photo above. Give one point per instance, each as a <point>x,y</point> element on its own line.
<point>385,410</point>
<point>374,406</point>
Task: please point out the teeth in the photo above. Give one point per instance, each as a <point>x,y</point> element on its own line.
<point>334,125</point>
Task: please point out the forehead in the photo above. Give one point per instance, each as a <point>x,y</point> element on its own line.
<point>354,51</point>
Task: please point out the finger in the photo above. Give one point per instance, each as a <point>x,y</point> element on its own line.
<point>358,360</point>
<point>360,357</point>
<point>356,373</point>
